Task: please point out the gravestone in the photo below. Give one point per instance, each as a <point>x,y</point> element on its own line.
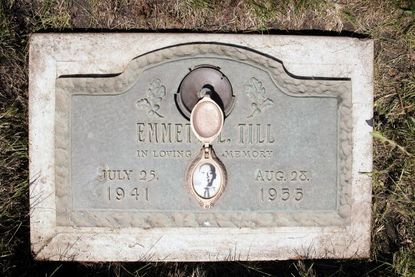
<point>123,167</point>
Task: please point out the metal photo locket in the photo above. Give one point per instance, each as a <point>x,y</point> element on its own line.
<point>206,176</point>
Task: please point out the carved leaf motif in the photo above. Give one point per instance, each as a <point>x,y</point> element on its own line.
<point>143,104</point>
<point>156,89</point>
<point>267,103</point>
<point>256,92</point>
<point>155,100</point>
<point>155,93</point>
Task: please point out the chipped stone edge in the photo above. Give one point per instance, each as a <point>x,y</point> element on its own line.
<point>51,242</point>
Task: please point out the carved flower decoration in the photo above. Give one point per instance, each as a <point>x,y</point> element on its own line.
<point>256,92</point>
<point>155,93</point>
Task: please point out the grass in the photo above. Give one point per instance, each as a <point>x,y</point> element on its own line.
<point>389,23</point>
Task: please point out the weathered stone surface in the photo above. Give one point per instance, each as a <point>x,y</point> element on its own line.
<point>110,150</point>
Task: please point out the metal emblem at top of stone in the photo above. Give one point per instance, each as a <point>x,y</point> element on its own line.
<point>187,149</point>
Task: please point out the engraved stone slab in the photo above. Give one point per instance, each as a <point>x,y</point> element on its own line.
<point>111,149</point>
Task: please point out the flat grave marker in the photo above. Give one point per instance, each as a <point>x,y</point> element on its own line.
<point>275,164</point>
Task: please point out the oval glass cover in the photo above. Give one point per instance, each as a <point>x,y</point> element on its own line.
<point>206,120</point>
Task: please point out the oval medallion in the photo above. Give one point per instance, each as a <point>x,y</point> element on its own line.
<point>206,120</point>
<point>206,178</point>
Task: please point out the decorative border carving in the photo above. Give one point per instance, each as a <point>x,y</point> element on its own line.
<point>296,87</point>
